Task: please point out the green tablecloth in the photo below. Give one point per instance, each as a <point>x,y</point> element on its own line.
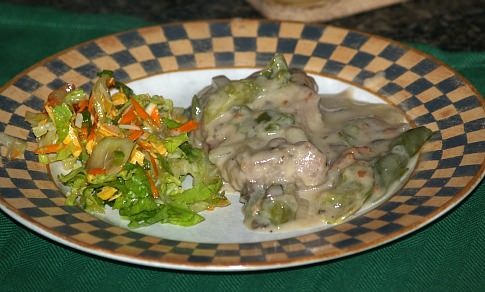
<point>448,255</point>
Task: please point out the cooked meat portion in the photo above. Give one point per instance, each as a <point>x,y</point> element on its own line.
<point>273,131</point>
<point>300,163</point>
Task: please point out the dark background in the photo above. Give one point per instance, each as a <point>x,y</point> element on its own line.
<point>453,25</point>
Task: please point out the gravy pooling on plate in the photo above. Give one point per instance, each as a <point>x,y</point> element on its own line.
<point>296,156</point>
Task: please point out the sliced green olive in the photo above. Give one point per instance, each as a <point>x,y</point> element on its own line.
<point>111,153</point>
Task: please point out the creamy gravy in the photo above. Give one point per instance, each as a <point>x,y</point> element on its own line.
<point>290,144</point>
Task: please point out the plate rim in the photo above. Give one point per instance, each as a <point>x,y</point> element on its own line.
<point>58,237</point>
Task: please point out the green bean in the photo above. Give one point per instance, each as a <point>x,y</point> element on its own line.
<point>195,108</point>
<point>264,117</point>
<point>354,186</point>
<point>391,166</point>
<point>280,212</point>
<point>412,140</point>
<point>270,207</point>
<point>350,133</point>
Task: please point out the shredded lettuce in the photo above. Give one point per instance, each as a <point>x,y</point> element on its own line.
<point>173,143</point>
<point>62,120</point>
<point>75,96</point>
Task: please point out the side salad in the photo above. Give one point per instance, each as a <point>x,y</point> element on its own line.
<point>129,151</point>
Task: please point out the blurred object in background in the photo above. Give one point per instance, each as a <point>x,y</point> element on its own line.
<point>316,10</point>
<point>453,25</point>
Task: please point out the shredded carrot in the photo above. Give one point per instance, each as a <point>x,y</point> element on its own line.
<point>96,171</point>
<point>155,115</point>
<point>110,82</point>
<point>52,148</point>
<point>139,109</point>
<point>128,116</point>
<point>145,145</point>
<point>154,165</point>
<point>153,187</point>
<point>135,134</point>
<point>83,133</point>
<point>188,126</point>
<point>92,134</point>
<point>91,104</point>
<point>82,105</point>
<point>361,173</point>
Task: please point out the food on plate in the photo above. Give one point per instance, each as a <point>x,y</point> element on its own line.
<point>296,156</point>
<point>128,151</point>
<point>14,146</point>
